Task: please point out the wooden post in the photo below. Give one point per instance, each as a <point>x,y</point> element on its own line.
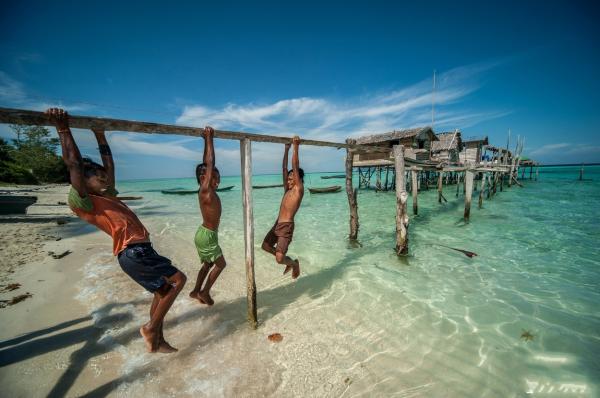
<point>440,177</point>
<point>481,190</point>
<point>415,190</point>
<point>387,172</point>
<point>246,160</point>
<point>581,173</point>
<point>378,178</point>
<point>537,173</point>
<point>457,183</point>
<point>468,193</point>
<point>401,198</point>
<point>352,196</point>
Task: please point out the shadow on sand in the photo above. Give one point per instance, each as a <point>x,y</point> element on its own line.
<point>232,314</point>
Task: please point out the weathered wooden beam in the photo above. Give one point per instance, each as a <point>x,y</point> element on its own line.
<point>439,186</point>
<point>26,117</point>
<point>401,198</point>
<point>414,187</point>
<point>468,193</point>
<point>352,196</point>
<point>481,190</point>
<point>246,164</point>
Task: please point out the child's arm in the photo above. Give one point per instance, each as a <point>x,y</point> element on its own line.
<point>296,162</point>
<point>209,157</point>
<point>70,152</point>
<point>106,154</point>
<point>285,167</point>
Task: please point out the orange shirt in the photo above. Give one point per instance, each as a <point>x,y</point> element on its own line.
<point>111,216</point>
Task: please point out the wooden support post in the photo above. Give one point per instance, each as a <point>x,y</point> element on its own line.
<point>352,196</point>
<point>387,172</point>
<point>531,172</point>
<point>440,177</point>
<point>415,190</point>
<point>537,173</point>
<point>457,183</point>
<point>489,190</point>
<point>246,160</point>
<point>401,198</point>
<point>378,178</point>
<point>468,193</point>
<point>481,190</point>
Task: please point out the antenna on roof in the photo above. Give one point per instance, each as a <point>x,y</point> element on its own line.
<point>433,101</point>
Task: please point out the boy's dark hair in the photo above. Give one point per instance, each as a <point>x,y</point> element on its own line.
<point>90,167</point>
<point>201,170</point>
<point>300,171</point>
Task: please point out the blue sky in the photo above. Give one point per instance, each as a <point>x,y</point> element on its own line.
<point>325,71</point>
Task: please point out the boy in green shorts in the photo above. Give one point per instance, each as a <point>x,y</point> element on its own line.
<point>206,239</point>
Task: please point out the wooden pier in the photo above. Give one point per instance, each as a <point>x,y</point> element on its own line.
<point>400,161</point>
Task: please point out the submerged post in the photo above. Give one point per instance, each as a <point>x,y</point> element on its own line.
<point>414,187</point>
<point>440,176</point>
<point>481,190</point>
<point>246,163</point>
<point>352,194</point>
<point>468,193</point>
<point>401,198</point>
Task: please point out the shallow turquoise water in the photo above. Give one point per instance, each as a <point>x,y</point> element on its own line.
<point>361,321</point>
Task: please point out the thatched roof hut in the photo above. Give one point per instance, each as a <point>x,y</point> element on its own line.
<point>473,149</point>
<point>417,143</point>
<point>448,147</point>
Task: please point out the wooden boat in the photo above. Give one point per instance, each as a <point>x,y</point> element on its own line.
<point>179,191</point>
<point>332,189</point>
<point>267,186</point>
<point>16,204</point>
<point>334,176</point>
<point>130,197</point>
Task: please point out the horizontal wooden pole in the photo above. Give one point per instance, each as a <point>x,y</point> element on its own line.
<point>26,117</point>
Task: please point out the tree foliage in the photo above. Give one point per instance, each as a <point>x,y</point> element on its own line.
<point>31,158</point>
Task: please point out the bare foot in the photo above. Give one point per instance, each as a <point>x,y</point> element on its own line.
<point>165,347</point>
<point>150,338</point>
<point>295,269</point>
<point>205,298</point>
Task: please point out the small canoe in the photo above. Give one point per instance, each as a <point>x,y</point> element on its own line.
<point>334,176</point>
<point>267,186</point>
<point>179,191</point>
<point>16,204</point>
<point>332,189</point>
<point>130,197</point>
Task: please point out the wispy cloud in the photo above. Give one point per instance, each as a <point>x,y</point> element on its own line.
<point>331,119</point>
<point>14,94</point>
<point>563,149</point>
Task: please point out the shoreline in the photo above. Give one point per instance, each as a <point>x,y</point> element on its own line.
<point>45,337</point>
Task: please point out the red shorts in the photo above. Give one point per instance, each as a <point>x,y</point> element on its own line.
<point>280,236</point>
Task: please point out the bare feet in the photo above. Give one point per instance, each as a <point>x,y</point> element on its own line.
<point>165,347</point>
<point>202,297</point>
<point>295,268</point>
<point>150,338</point>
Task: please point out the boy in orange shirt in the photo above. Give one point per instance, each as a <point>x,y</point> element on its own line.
<point>93,199</point>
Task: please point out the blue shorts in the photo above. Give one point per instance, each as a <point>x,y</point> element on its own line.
<point>145,266</point>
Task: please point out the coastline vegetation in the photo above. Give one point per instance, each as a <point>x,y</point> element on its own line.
<point>31,158</point>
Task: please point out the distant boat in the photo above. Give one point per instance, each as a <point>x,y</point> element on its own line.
<point>16,204</point>
<point>130,197</point>
<point>334,176</point>
<point>267,186</point>
<point>179,191</point>
<point>332,189</point>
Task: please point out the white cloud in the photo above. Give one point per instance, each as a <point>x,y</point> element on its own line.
<point>565,149</point>
<point>14,94</point>
<point>335,120</point>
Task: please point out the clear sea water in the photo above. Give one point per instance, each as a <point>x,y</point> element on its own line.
<point>360,321</point>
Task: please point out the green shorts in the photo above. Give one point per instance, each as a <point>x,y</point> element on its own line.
<point>207,244</point>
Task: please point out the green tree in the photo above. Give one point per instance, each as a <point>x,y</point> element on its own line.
<point>32,157</point>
